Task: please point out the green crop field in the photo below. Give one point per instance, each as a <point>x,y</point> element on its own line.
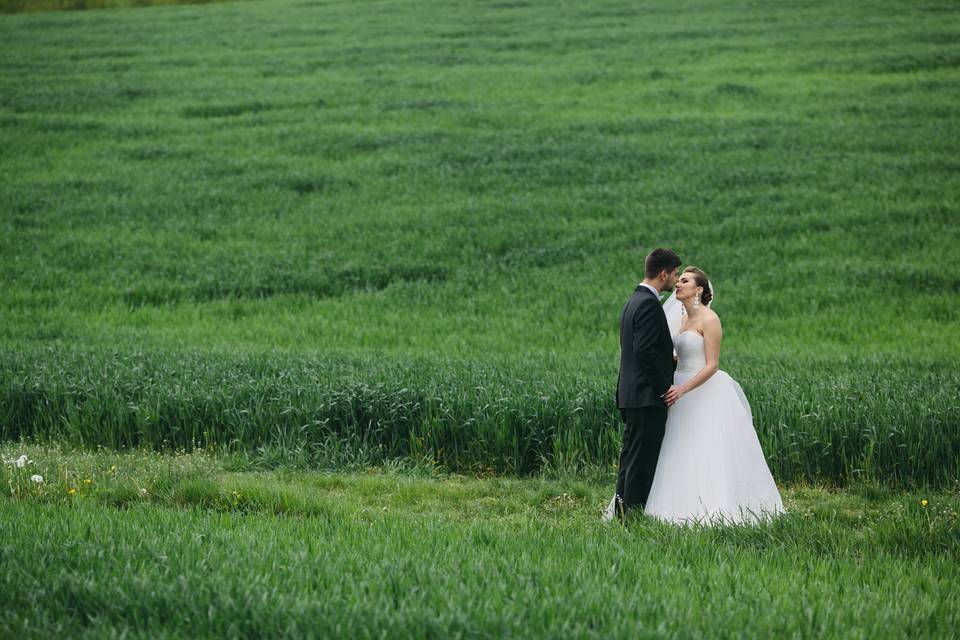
<point>408,228</point>
<point>310,239</point>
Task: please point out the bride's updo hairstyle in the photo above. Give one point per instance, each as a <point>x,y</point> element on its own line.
<point>702,281</point>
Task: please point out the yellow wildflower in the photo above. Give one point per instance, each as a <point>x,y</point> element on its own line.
<point>924,502</point>
<point>71,491</point>
<point>88,481</point>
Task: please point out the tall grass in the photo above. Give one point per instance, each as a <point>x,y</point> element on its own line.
<point>340,231</point>
<point>504,416</point>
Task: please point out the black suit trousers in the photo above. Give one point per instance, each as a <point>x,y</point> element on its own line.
<point>642,437</point>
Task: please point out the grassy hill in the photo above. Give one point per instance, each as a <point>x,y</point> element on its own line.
<point>338,230</point>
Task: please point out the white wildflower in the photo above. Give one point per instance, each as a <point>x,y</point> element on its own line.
<point>21,461</point>
<point>143,492</point>
<point>37,479</point>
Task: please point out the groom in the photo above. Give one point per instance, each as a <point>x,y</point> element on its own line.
<point>646,372</point>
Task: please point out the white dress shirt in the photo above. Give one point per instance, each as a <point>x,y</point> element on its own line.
<point>655,292</point>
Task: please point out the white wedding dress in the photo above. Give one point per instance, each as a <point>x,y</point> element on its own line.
<point>711,468</point>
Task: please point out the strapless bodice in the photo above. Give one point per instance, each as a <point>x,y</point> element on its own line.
<point>690,354</point>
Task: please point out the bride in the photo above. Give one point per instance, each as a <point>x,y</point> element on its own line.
<point>711,468</point>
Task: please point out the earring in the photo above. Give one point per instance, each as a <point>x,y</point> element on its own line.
<point>696,302</point>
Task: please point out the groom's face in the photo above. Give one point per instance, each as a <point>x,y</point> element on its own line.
<point>671,278</point>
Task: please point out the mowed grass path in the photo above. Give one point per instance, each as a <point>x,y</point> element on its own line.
<point>408,229</point>
<point>176,546</point>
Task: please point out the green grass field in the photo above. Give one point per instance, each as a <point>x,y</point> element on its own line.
<point>322,299</point>
<point>177,546</point>
<point>20,6</point>
<point>447,205</point>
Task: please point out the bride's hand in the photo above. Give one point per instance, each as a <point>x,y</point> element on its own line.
<point>673,394</point>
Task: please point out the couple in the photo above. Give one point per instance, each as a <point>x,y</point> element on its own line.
<point>690,453</point>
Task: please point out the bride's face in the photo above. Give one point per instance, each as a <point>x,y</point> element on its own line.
<point>687,287</point>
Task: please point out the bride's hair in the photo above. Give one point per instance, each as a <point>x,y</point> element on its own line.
<point>702,281</point>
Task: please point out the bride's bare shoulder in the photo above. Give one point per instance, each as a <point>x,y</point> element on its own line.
<point>711,318</point>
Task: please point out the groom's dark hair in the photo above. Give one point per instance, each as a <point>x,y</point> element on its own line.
<point>660,260</point>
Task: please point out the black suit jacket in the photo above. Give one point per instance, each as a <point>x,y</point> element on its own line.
<point>646,352</point>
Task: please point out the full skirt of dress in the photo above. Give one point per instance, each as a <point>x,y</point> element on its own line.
<point>711,468</point>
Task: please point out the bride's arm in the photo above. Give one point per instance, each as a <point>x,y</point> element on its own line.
<point>712,334</point>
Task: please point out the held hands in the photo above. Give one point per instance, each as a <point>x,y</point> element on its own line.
<point>673,394</point>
